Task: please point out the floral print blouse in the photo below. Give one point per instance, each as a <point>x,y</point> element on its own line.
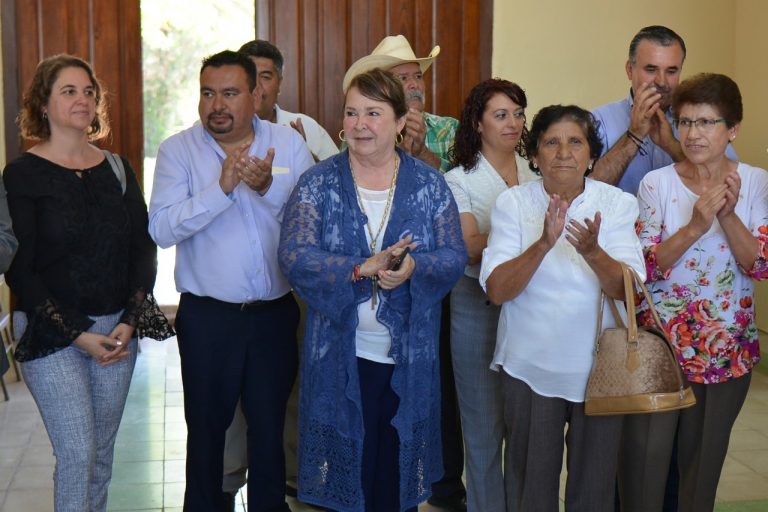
<point>705,299</point>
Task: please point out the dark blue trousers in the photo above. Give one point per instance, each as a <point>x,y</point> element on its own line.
<point>228,353</point>
<point>381,445</point>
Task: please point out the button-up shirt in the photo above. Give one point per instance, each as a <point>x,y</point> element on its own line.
<point>226,244</point>
<point>319,142</point>
<point>613,121</point>
<point>441,131</point>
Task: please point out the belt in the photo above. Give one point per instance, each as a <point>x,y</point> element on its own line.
<point>255,305</point>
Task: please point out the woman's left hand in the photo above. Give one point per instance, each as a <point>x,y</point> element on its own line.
<point>733,182</point>
<point>389,279</point>
<point>122,333</point>
<point>584,237</point>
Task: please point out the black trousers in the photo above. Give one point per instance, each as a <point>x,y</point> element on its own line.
<point>451,485</point>
<point>228,353</point>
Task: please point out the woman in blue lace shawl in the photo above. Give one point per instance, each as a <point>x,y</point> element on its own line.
<point>369,418</point>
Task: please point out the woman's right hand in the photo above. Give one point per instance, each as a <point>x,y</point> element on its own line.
<point>101,348</point>
<point>554,221</point>
<point>380,260</point>
<point>706,208</point>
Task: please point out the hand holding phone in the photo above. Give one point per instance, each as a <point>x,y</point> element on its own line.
<point>395,263</point>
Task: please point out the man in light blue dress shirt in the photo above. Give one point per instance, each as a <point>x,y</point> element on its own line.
<point>219,192</point>
<point>637,131</point>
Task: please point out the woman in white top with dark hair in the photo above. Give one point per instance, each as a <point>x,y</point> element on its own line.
<point>554,245</point>
<point>488,150</point>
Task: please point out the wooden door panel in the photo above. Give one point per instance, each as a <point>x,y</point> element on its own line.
<point>106,33</point>
<point>320,39</point>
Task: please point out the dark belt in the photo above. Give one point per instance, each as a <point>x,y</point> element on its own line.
<point>256,305</point>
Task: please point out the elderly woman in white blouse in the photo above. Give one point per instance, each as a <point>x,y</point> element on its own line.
<point>554,245</point>
<point>488,152</point>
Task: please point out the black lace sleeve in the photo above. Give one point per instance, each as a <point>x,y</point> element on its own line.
<point>141,310</point>
<point>143,313</point>
<point>50,327</point>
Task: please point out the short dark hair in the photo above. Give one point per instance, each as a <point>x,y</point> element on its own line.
<point>380,85</point>
<point>230,58</point>
<point>468,142</point>
<point>658,34</point>
<point>712,89</point>
<point>33,125</point>
<point>265,49</point>
<point>552,114</point>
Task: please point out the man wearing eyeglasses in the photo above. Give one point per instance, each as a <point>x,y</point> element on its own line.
<point>637,132</point>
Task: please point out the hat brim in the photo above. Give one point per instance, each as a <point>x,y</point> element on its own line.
<point>387,62</point>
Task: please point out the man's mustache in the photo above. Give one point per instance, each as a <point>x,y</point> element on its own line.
<point>414,95</point>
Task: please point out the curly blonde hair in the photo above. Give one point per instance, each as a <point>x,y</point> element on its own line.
<point>31,120</point>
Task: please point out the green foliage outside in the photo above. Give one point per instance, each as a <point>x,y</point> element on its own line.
<point>176,36</point>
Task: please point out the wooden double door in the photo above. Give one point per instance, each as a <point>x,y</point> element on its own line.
<point>319,40</point>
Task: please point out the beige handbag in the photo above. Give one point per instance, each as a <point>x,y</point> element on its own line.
<point>635,370</point>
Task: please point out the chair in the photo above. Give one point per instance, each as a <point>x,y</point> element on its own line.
<point>9,342</point>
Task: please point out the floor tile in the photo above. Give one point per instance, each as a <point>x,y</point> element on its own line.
<point>174,471</point>
<point>38,456</point>
<point>135,496</point>
<point>175,450</point>
<point>127,451</point>
<point>33,477</point>
<point>173,494</point>
<point>138,472</point>
<point>29,500</point>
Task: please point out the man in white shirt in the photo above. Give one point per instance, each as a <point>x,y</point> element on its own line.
<point>269,67</point>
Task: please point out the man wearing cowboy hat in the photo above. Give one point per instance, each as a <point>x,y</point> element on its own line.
<point>428,137</point>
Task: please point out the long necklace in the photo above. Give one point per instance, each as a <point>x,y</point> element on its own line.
<point>384,217</point>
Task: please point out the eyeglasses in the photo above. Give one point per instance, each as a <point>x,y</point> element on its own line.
<point>703,124</point>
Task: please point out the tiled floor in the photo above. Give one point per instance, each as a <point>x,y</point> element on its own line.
<point>149,455</point>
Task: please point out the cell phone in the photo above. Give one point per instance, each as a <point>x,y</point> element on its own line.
<point>396,262</point>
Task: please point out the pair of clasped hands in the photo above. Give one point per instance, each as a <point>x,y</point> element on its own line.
<point>583,237</point>
<point>109,349</point>
<point>718,202</point>
<point>649,118</point>
<point>251,170</point>
<point>379,264</point>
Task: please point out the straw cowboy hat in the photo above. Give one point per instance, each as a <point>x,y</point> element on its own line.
<point>391,51</point>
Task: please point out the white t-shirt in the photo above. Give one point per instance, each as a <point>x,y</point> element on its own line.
<point>476,191</point>
<point>372,338</point>
<point>320,144</point>
<point>546,334</point>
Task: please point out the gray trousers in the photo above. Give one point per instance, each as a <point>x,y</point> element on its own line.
<point>481,403</point>
<point>703,433</point>
<point>81,404</point>
<point>535,426</point>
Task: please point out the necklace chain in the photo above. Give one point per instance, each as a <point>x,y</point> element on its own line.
<point>385,216</point>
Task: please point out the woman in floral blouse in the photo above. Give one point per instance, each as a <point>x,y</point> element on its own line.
<point>703,225</point>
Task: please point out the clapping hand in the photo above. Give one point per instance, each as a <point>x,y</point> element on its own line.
<point>255,172</point>
<point>584,236</point>
<point>554,220</point>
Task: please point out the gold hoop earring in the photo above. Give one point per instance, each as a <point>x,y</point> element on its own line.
<point>341,136</point>
<point>399,138</point>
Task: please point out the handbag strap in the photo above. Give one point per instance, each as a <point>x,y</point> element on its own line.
<point>633,282</point>
<point>116,163</point>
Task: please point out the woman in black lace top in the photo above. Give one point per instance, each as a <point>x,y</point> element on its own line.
<point>83,274</point>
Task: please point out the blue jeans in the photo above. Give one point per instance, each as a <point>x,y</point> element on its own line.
<point>81,404</point>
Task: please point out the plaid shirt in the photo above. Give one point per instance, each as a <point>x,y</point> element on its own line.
<point>441,130</point>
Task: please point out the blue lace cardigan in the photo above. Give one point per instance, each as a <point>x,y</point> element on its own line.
<point>322,239</point>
